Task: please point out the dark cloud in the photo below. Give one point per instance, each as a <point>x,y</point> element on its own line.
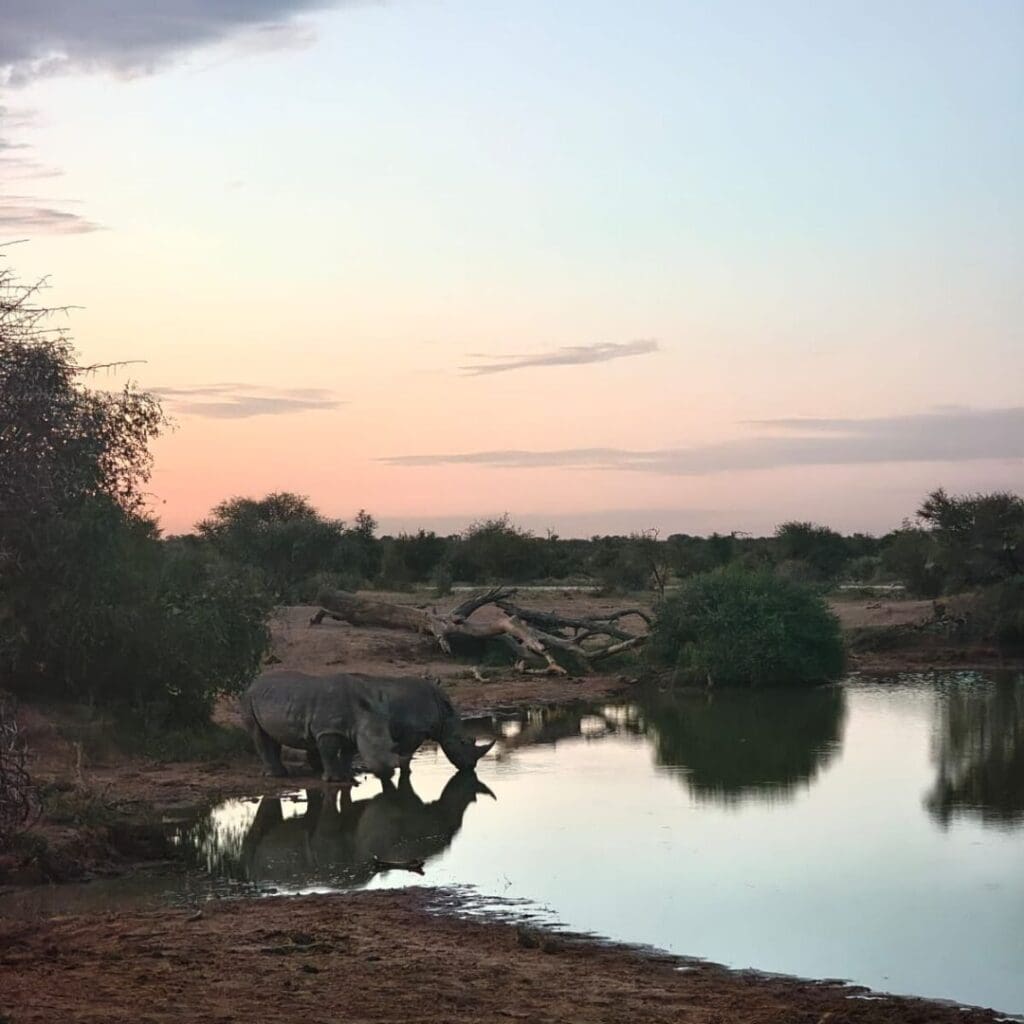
<point>232,401</point>
<point>31,216</point>
<point>129,37</point>
<point>957,435</point>
<point>567,355</point>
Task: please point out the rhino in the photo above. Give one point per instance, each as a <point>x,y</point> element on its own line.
<point>332,718</point>
<point>419,710</point>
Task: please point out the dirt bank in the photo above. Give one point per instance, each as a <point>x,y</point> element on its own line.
<point>383,956</point>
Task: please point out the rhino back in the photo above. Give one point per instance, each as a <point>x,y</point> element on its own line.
<point>416,706</point>
<point>294,707</point>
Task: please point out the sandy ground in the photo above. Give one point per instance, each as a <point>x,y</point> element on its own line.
<point>382,956</point>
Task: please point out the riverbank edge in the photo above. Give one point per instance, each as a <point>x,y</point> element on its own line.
<point>413,954</point>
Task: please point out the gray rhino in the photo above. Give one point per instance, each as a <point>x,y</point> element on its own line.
<point>332,718</point>
<point>420,710</point>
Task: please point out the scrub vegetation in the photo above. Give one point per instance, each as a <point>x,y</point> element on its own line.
<point>98,607</point>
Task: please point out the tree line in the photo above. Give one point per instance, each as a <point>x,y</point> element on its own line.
<point>954,543</point>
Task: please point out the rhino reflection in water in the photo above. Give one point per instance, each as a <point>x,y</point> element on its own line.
<point>338,842</point>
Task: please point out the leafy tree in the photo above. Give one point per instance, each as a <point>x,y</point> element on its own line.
<point>688,555</point>
<point>366,546</point>
<point>496,550</point>
<point>91,604</point>
<point>909,555</point>
<point>412,558</point>
<point>622,564</point>
<point>818,547</point>
<point>979,537</point>
<point>284,538</point>
<point>736,627</point>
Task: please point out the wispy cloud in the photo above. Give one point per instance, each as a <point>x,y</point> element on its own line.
<point>567,355</point>
<point>126,37</point>
<point>30,215</point>
<point>233,401</point>
<point>957,435</point>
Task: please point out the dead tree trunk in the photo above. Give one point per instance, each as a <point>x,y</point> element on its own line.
<point>533,638</point>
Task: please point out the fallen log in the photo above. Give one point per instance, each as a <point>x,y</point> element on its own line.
<point>532,638</point>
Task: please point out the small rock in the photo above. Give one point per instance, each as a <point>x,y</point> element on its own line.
<point>197,916</point>
<point>527,938</point>
<point>310,969</point>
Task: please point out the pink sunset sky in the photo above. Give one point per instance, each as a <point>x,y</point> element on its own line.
<point>602,266</point>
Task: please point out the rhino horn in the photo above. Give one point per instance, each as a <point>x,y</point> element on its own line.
<point>481,748</point>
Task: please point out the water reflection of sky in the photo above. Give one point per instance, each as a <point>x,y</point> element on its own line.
<point>807,842</point>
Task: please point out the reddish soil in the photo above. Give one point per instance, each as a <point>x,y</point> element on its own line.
<point>382,956</point>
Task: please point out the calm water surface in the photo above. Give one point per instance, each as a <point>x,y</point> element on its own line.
<point>873,832</point>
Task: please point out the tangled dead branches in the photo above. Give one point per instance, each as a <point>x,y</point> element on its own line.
<point>538,642</point>
<point>18,805</point>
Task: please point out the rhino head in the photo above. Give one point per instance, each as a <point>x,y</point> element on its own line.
<point>462,752</point>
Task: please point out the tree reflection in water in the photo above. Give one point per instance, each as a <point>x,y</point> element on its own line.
<point>729,745</point>
<point>979,752</point>
<point>736,745</point>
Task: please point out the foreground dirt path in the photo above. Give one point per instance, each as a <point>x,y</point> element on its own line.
<point>382,956</point>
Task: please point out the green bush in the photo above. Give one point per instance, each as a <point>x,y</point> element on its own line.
<point>735,627</point>
<point>999,612</point>
<point>910,556</point>
<point>442,581</point>
<point>863,568</point>
<point>822,550</point>
<point>620,565</point>
<point>496,551</point>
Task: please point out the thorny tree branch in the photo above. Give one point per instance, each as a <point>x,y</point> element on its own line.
<point>18,805</point>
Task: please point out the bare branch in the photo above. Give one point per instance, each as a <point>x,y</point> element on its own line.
<point>532,637</point>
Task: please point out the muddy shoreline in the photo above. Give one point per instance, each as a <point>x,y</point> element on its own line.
<point>390,956</point>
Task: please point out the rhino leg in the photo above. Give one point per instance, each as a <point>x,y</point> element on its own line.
<point>405,765</point>
<point>270,753</point>
<point>316,762</point>
<point>335,754</point>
